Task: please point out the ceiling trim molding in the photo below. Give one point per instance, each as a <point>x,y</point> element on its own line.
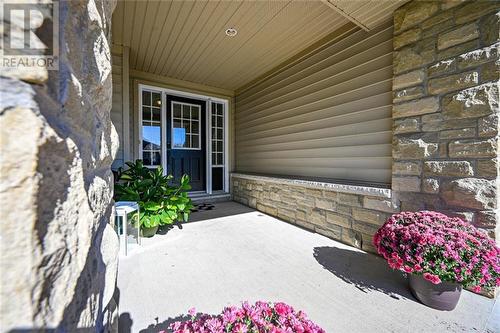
<point>180,84</point>
<point>339,10</point>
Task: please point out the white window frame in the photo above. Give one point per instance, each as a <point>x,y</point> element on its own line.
<point>208,118</point>
<point>162,127</point>
<point>172,124</point>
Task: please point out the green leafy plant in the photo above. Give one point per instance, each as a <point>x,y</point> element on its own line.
<point>160,202</point>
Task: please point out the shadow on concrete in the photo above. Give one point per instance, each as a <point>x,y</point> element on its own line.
<point>365,271</point>
<point>163,326</point>
<point>220,209</point>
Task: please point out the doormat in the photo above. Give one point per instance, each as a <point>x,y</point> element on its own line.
<point>204,206</point>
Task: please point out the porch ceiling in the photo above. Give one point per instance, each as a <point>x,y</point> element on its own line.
<point>367,14</point>
<point>186,39</point>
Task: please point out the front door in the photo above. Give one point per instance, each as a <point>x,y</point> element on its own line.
<point>186,145</point>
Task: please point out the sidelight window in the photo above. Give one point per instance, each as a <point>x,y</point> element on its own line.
<point>151,128</point>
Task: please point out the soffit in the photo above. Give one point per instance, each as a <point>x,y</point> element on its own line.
<point>186,39</point>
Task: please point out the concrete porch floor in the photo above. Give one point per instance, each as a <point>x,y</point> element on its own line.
<point>234,253</point>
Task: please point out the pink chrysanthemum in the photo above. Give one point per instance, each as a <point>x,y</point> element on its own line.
<point>441,248</point>
<point>260,317</point>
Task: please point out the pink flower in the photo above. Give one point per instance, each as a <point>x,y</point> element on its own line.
<point>240,328</point>
<point>407,269</point>
<point>260,317</point>
<point>282,309</point>
<point>446,248</point>
<point>192,312</point>
<point>432,278</point>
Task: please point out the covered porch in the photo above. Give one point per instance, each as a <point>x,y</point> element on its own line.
<point>234,253</point>
<point>328,115</point>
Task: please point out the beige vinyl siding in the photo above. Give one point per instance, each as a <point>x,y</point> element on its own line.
<point>328,115</point>
<point>117,106</point>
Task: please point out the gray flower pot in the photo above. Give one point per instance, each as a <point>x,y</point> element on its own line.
<point>149,232</point>
<point>442,296</point>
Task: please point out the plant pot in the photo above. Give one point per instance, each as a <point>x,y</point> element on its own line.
<point>441,296</point>
<point>149,232</point>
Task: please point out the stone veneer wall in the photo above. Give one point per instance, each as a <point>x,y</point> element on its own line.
<point>58,252</point>
<point>445,109</point>
<point>348,213</point>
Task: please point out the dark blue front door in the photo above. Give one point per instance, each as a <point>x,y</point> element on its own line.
<point>186,145</point>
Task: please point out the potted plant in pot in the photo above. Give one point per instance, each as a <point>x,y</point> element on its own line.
<point>441,254</point>
<point>160,202</point>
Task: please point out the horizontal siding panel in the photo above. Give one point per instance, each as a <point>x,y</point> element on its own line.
<point>334,163</point>
<point>327,78</point>
<point>323,143</point>
<point>290,125</point>
<point>350,130</point>
<point>327,116</point>
<point>335,101</point>
<point>367,150</point>
<point>355,85</point>
<point>336,64</point>
<point>325,57</point>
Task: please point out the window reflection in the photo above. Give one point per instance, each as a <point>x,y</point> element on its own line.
<point>185,126</point>
<point>179,137</point>
<point>151,137</point>
<point>151,128</point>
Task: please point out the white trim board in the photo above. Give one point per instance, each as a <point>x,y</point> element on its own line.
<point>208,100</point>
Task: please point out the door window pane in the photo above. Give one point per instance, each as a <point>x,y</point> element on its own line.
<point>177,111</point>
<point>178,137</point>
<point>195,141</point>
<point>186,126</point>
<point>195,113</point>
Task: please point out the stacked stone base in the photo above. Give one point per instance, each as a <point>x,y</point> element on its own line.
<point>347,213</point>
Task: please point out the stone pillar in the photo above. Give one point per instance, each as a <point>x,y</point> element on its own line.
<point>58,252</point>
<point>445,109</point>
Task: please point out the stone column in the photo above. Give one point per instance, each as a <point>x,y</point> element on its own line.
<point>58,254</point>
<point>445,109</point>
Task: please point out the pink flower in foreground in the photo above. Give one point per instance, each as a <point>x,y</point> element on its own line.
<point>192,312</point>
<point>260,317</point>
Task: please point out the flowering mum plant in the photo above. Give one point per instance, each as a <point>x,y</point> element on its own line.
<point>440,248</point>
<point>261,317</point>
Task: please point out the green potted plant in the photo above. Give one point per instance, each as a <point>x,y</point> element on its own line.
<point>161,203</point>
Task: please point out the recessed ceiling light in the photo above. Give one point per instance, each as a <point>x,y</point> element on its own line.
<point>231,32</point>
